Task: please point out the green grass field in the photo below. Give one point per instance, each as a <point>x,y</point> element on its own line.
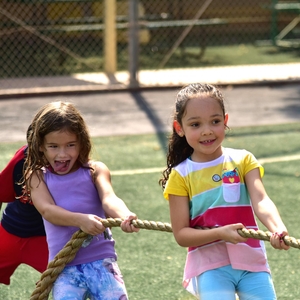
<point>151,262</point>
<point>216,56</point>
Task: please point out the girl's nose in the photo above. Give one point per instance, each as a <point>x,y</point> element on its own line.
<point>206,130</point>
<point>62,152</point>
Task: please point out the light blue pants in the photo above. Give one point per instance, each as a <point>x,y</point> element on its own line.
<point>224,282</point>
<point>99,280</point>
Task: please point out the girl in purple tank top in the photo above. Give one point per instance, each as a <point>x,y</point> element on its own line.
<point>72,192</point>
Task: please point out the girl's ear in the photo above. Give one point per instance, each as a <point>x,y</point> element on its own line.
<point>178,128</point>
<point>226,120</point>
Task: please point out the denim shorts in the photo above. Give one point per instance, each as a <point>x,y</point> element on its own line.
<point>223,283</point>
<point>97,280</point>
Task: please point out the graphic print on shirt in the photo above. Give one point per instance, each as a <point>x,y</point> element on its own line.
<point>231,185</point>
<point>25,197</point>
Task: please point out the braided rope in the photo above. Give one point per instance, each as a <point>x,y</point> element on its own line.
<point>55,267</point>
<point>266,235</point>
<point>68,253</point>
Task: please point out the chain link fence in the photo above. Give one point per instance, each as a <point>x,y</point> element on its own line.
<point>61,37</point>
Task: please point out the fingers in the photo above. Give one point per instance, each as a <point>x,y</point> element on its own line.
<point>277,241</point>
<point>237,237</point>
<point>229,233</point>
<point>92,225</point>
<point>126,224</point>
<point>238,226</point>
<point>128,227</point>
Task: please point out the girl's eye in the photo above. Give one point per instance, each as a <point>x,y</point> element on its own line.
<point>195,124</point>
<point>216,121</point>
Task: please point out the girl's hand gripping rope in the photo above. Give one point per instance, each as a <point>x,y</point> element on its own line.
<point>277,240</point>
<point>126,224</point>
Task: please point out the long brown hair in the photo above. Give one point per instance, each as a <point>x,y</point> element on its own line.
<point>55,116</point>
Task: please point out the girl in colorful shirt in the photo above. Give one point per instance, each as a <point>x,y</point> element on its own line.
<point>219,189</point>
<point>71,192</point>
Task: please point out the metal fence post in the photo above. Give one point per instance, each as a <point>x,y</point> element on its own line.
<point>274,30</point>
<point>133,43</point>
<point>110,37</point>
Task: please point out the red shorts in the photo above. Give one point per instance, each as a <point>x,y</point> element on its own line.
<point>14,251</point>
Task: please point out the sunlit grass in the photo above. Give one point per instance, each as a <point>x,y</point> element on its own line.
<point>151,262</point>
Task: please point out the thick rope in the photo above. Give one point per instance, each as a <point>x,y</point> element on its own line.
<point>266,235</point>
<point>68,253</point>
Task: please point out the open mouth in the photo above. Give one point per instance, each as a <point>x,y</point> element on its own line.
<point>61,166</point>
<point>207,142</point>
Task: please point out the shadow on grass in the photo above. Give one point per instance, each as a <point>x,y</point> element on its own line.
<point>154,119</point>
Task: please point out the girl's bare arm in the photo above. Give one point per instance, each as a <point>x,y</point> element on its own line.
<point>112,204</point>
<point>191,237</point>
<point>265,209</point>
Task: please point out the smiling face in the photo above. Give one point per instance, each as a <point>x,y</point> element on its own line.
<point>203,125</point>
<point>61,150</point>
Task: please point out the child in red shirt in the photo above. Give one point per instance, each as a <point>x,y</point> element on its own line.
<point>22,233</point>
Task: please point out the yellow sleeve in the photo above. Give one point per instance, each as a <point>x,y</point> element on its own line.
<point>252,163</point>
<point>176,185</point>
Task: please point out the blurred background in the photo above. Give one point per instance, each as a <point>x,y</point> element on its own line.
<point>49,47</point>
<point>41,38</point>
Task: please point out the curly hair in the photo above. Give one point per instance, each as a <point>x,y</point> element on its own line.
<point>54,116</point>
<point>178,147</point>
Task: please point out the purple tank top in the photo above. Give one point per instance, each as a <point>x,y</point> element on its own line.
<point>76,192</point>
